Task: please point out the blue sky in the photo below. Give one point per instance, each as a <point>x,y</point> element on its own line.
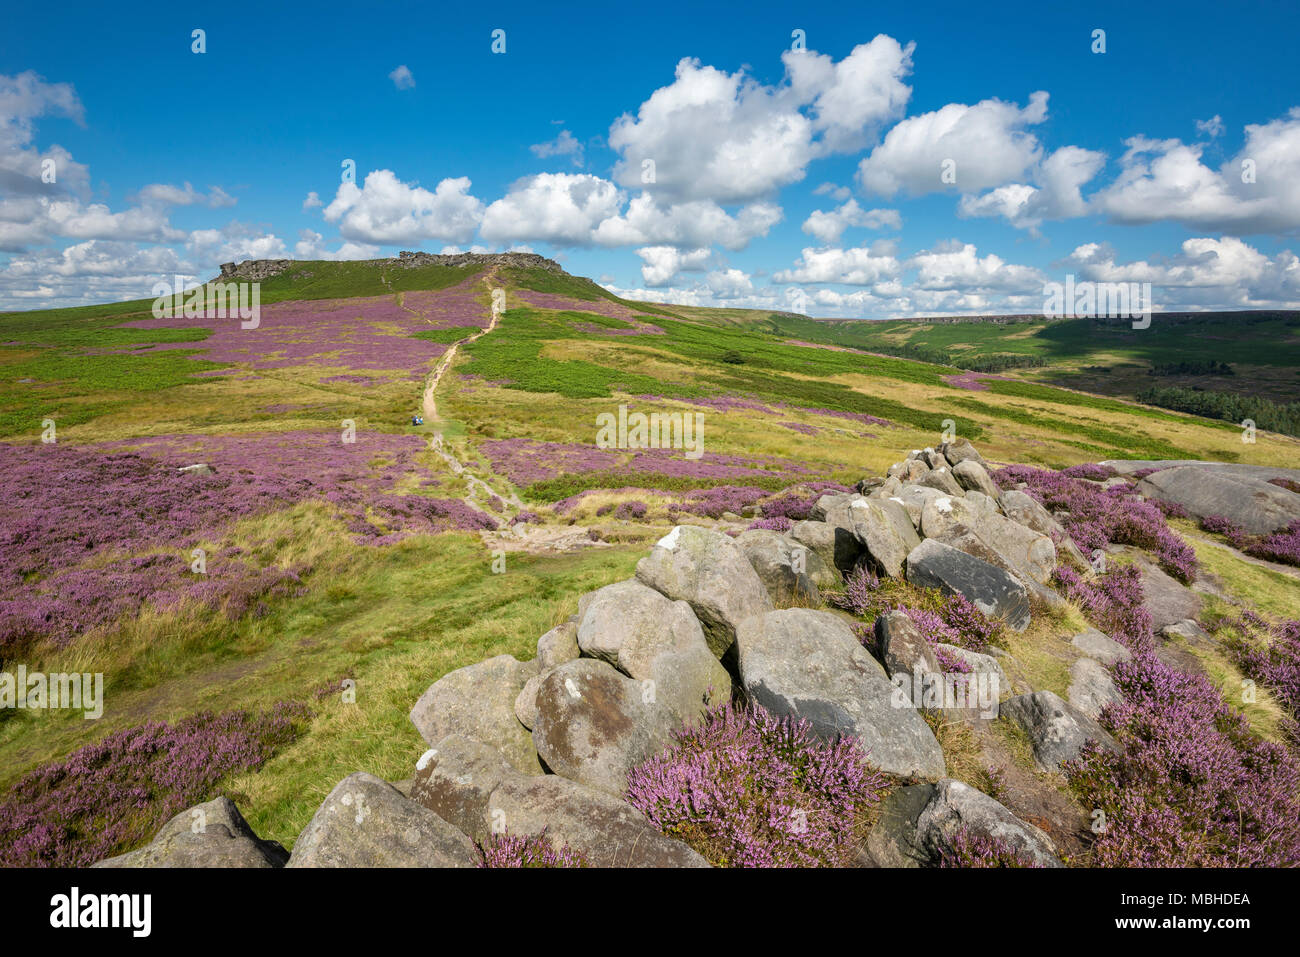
<point>784,178</point>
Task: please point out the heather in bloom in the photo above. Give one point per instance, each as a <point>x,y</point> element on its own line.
<point>749,789</point>
<point>1097,516</point>
<point>1113,602</point>
<point>969,849</point>
<point>942,619</point>
<point>534,850</point>
<point>108,797</point>
<point>1090,470</point>
<point>778,524</point>
<point>1270,654</point>
<point>630,511</point>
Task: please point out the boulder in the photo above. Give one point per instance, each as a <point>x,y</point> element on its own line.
<point>881,526</point>
<point>913,499</point>
<point>808,664</point>
<point>1020,507</point>
<point>1091,687</point>
<point>942,479</point>
<point>994,591</point>
<point>603,828</point>
<point>594,724</point>
<point>955,806</point>
<point>1100,647</point>
<point>366,822</point>
<point>972,476</point>
<point>960,450</point>
<point>1168,600</point>
<point>901,647</point>
<point>782,566</point>
<point>557,646</point>
<point>478,701</point>
<point>1027,554</point>
<point>1057,730</point>
<point>455,780</point>
<point>526,702</point>
<point>709,571</point>
<point>213,834</point>
<point>836,547</point>
<point>1246,500</point>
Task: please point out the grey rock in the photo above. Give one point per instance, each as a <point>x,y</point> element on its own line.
<point>213,834</point>
<point>959,451</point>
<point>809,665</point>
<point>913,499</point>
<point>366,822</point>
<point>455,780</point>
<point>782,566</point>
<point>478,701</point>
<point>526,702</point>
<point>972,476</point>
<point>709,571</point>
<point>994,591</point>
<point>1247,501</point>
<point>1091,687</point>
<point>1057,730</point>
<point>557,646</point>
<point>836,547</point>
<point>1168,600</point>
<point>1095,645</point>
<point>943,480</point>
<point>956,806</point>
<point>901,647</point>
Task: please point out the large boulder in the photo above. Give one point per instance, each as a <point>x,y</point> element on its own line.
<point>881,526</point>
<point>594,724</point>
<point>603,828</point>
<point>782,565</point>
<point>478,701</point>
<point>366,822</point>
<point>1021,507</point>
<point>1058,731</point>
<point>994,591</point>
<point>709,571</point>
<point>901,647</point>
<point>960,450</point>
<point>456,779</point>
<point>213,834</point>
<point>913,499</point>
<point>1027,554</point>
<point>941,479</point>
<point>808,664</point>
<point>557,646</point>
<point>836,547</point>
<point>973,477</point>
<point>918,825</point>
<point>1094,644</point>
<point>1168,600</point>
<point>1248,501</point>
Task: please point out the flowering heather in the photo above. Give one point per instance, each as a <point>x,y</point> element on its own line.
<point>1288,484</point>
<point>1218,525</point>
<point>630,511</point>
<point>1170,509</point>
<point>1090,470</point>
<point>534,850</point>
<point>601,307</point>
<point>1113,602</point>
<point>966,848</point>
<point>1282,546</point>
<point>365,333</point>
<point>942,619</point>
<point>108,797</point>
<point>1192,786</point>
<point>1097,516</point>
<point>713,502</point>
<point>1270,654</point>
<point>778,524</point>
<point>748,789</point>
<point>801,427</point>
<point>526,518</point>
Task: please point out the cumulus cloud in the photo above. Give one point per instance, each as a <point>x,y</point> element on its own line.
<point>311,245</point>
<point>713,135</point>
<point>829,226</point>
<point>1257,191</point>
<point>957,266</point>
<point>988,143</point>
<point>208,248</point>
<point>312,201</point>
<point>860,266</point>
<point>165,194</point>
<point>560,208</point>
<point>563,145</point>
<point>386,210</point>
<point>663,263</point>
<point>1058,194</point>
<point>690,224</point>
<point>402,78</point>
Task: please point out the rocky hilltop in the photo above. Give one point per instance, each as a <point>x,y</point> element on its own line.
<point>255,270</point>
<point>555,749</point>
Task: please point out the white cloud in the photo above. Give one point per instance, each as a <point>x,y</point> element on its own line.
<point>402,78</point>
<point>1058,195</point>
<point>688,225</point>
<point>1165,180</point>
<point>209,248</point>
<point>729,284</point>
<point>165,194</point>
<point>310,245</point>
<point>1213,127</point>
<point>724,137</point>
<point>312,201</point>
<point>829,226</point>
<point>954,266</point>
<point>663,263</point>
<point>837,193</point>
<point>563,145</point>
<point>386,210</point>
<point>988,143</point>
<point>860,266</point>
<point>560,208</point>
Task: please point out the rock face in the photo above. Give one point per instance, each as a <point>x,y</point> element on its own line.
<point>1249,502</point>
<point>456,779</point>
<point>478,702</point>
<point>709,571</point>
<point>808,664</point>
<point>835,546</point>
<point>1091,687</point>
<point>993,591</point>
<point>604,829</point>
<point>1058,730</point>
<point>1168,600</point>
<point>366,822</point>
<point>782,565</point>
<point>1098,646</point>
<point>213,834</point>
<point>917,825</point>
<point>593,724</point>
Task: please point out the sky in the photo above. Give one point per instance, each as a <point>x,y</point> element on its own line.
<point>879,162</point>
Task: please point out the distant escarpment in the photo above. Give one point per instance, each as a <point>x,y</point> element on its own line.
<point>255,270</point>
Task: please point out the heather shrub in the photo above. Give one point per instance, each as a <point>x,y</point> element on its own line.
<point>1270,655</point>
<point>970,849</point>
<point>1282,546</point>
<point>1288,484</point>
<point>1218,525</point>
<point>1113,602</point>
<point>1090,470</point>
<point>1192,785</point>
<point>108,797</point>
<point>712,502</point>
<point>947,619</point>
<point>749,789</point>
<point>534,850</point>
<point>1097,516</point>
<point>778,524</point>
<point>629,511</point>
